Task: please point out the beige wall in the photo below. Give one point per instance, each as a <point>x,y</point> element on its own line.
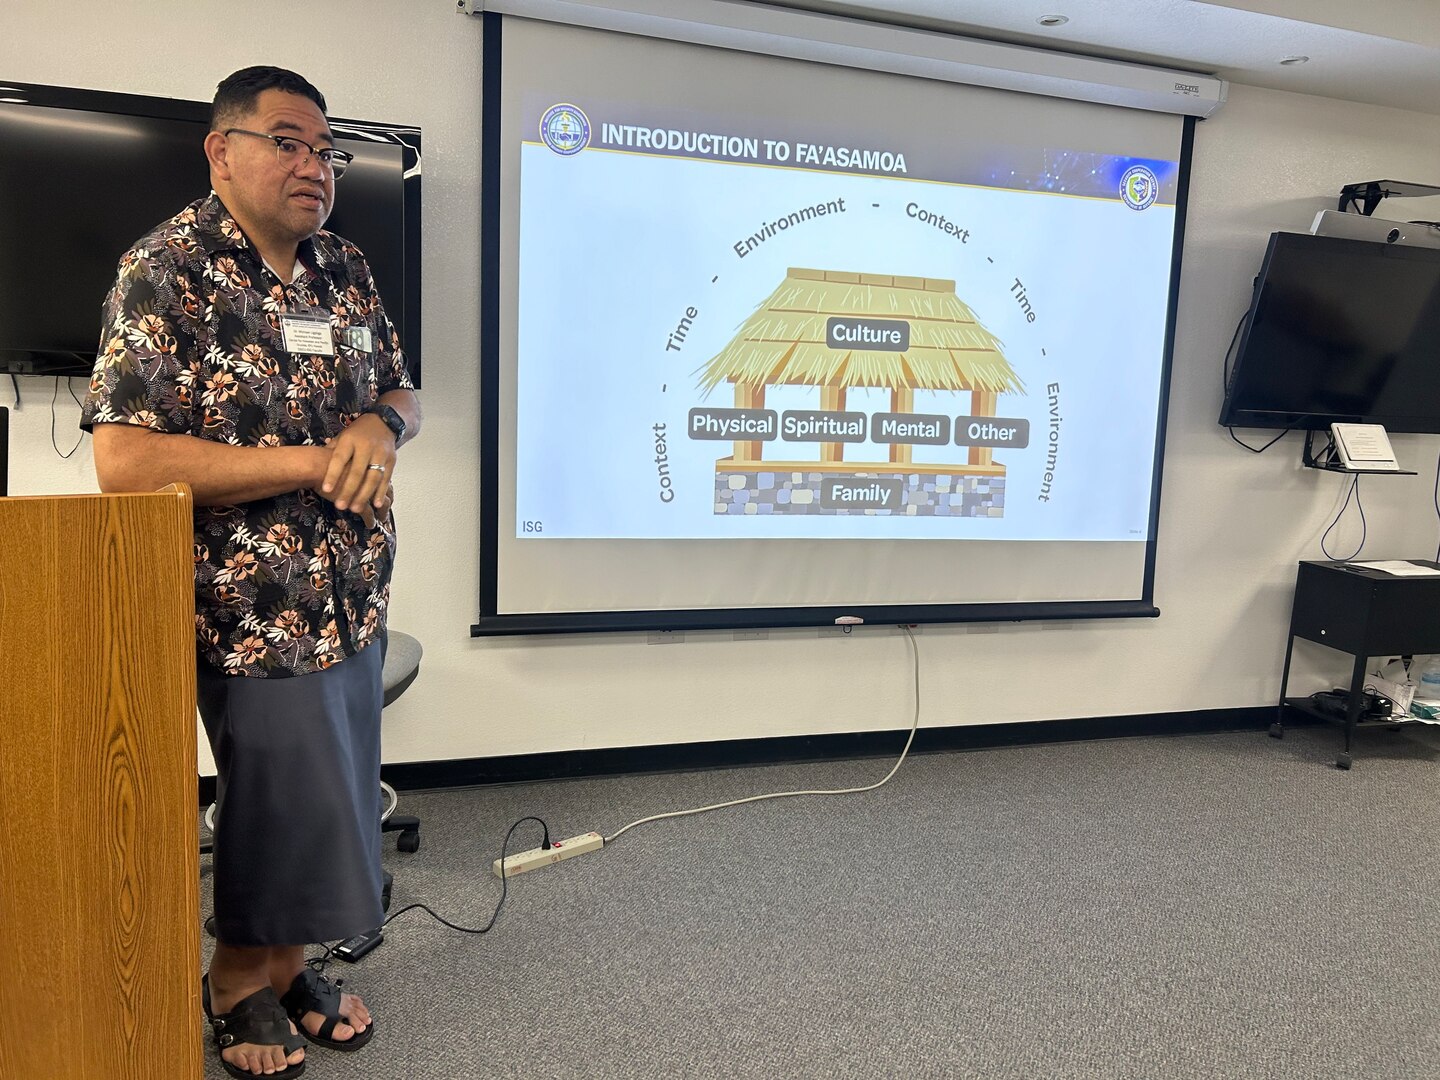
<point>1232,524</point>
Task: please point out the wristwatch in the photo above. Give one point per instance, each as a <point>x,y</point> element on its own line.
<point>392,419</point>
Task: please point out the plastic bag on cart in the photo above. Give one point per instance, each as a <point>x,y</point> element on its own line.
<point>1388,677</point>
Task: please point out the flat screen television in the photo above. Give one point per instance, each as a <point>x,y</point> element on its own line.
<point>85,173</point>
<point>1340,331</point>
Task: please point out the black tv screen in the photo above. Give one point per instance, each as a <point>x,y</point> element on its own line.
<point>84,174</point>
<point>1340,331</point>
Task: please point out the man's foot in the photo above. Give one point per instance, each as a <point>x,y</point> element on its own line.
<point>352,1008</point>
<point>252,1033</point>
<point>327,1017</point>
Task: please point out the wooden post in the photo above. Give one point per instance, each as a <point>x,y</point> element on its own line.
<point>832,399</point>
<point>982,403</point>
<point>902,400</point>
<point>749,396</point>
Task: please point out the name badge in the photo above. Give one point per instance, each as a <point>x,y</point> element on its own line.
<point>359,339</point>
<point>307,335</point>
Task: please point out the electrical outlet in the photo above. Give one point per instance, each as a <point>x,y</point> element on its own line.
<point>557,852</point>
<point>745,635</point>
<point>666,637</point>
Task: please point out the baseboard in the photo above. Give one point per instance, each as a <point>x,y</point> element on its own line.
<point>733,753</point>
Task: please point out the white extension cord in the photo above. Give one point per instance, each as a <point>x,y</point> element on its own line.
<point>915,725</point>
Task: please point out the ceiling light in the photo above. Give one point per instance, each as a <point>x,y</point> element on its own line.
<point>1053,20</point>
<point>1289,61</point>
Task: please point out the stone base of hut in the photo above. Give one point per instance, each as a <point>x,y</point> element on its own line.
<point>924,494</point>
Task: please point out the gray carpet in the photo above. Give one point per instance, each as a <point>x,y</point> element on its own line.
<point>1207,906</point>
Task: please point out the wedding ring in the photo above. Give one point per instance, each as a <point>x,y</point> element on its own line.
<point>375,465</point>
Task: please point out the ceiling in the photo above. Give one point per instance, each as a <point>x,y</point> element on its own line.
<point>1383,52</point>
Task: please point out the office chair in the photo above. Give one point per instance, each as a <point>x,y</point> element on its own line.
<point>402,664</point>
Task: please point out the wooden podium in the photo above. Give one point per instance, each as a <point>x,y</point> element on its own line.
<point>99,846</point>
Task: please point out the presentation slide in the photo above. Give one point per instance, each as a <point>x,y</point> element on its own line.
<point>724,335</point>
<point>777,334</point>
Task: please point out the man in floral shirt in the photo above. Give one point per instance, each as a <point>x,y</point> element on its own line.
<point>245,352</point>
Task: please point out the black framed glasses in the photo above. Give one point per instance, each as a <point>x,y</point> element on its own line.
<point>293,153</point>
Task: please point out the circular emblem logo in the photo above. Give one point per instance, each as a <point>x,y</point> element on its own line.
<point>565,129</point>
<point>1139,187</point>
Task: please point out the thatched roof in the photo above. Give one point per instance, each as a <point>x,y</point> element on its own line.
<point>783,343</point>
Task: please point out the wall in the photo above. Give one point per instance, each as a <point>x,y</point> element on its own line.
<point>1232,525</point>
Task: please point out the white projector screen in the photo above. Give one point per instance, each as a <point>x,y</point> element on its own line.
<point>769,342</point>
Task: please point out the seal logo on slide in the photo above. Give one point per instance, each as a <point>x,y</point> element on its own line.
<point>1139,187</point>
<point>565,129</point>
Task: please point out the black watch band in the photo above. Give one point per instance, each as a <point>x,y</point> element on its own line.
<point>392,419</point>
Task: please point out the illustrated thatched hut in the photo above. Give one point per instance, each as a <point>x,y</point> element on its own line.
<point>784,344</point>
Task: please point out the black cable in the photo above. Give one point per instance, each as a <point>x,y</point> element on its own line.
<point>1354,490</point>
<point>1225,364</point>
<point>1262,449</point>
<point>1437,502</point>
<point>319,962</point>
<point>53,397</point>
<point>1225,387</point>
<point>15,384</point>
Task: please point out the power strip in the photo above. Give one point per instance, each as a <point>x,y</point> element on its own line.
<point>558,851</point>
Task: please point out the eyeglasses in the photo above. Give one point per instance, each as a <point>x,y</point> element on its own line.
<point>293,153</point>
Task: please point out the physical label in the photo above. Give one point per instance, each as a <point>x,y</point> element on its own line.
<point>307,335</point>
<point>742,425</point>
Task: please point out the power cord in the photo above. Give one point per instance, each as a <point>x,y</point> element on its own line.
<point>791,794</point>
<point>1437,501</point>
<point>318,962</point>
<point>1354,490</point>
<point>1258,449</point>
<point>1225,389</point>
<point>53,397</point>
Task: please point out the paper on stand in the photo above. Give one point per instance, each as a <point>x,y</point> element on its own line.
<point>1400,568</point>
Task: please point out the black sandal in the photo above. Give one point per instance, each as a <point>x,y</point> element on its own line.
<point>313,992</point>
<point>258,1019</point>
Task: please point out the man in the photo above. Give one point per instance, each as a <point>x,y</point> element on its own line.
<point>246,352</point>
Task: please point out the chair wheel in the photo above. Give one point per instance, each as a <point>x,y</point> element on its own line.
<point>1276,731</point>
<point>1344,761</point>
<point>210,926</point>
<point>409,840</point>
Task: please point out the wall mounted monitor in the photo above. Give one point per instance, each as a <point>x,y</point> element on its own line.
<point>84,174</point>
<point>1340,331</point>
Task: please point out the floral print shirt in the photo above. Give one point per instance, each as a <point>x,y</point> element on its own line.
<point>192,344</point>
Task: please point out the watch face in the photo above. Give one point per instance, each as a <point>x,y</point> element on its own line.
<point>393,419</point>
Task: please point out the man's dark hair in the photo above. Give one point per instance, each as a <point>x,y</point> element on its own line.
<point>235,97</point>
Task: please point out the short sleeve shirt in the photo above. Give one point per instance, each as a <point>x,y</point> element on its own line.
<point>193,344</point>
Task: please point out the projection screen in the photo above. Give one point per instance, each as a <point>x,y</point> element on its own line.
<point>769,342</point>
